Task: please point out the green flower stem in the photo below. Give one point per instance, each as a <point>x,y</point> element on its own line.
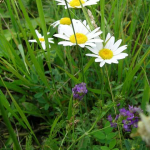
<point>63,140</point>
<point>77,48</point>
<point>9,127</point>
<point>114,104</point>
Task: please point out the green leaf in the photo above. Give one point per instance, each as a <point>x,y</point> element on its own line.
<point>109,128</point>
<point>109,136</point>
<point>38,95</point>
<point>146,93</point>
<point>112,143</point>
<point>104,148</point>
<point>46,106</point>
<point>99,135</point>
<point>96,147</point>
<point>127,144</point>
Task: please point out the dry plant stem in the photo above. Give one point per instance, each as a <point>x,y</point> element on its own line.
<point>114,105</point>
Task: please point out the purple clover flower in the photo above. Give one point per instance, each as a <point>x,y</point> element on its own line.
<point>130,115</point>
<point>131,109</point>
<point>79,91</point>
<point>113,124</point>
<point>123,112</point>
<point>109,118</point>
<point>118,104</point>
<point>127,127</point>
<point>137,109</point>
<point>129,118</point>
<point>134,109</point>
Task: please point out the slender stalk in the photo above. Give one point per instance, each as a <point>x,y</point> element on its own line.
<point>63,140</point>
<point>75,39</point>
<point>77,47</point>
<point>114,105</point>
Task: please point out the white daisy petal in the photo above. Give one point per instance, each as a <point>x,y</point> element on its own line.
<point>56,23</point>
<point>102,63</point>
<point>92,55</point>
<point>120,56</point>
<point>65,43</point>
<point>93,49</point>
<point>38,34</point>
<point>120,49</point>
<point>43,45</point>
<point>94,35</point>
<point>99,46</point>
<point>108,37</point>
<point>110,42</point>
<point>116,45</point>
<point>108,61</point>
<point>98,59</point>
<point>61,36</point>
<point>82,45</point>
<point>91,44</point>
<point>32,41</point>
<point>96,40</point>
<point>94,31</point>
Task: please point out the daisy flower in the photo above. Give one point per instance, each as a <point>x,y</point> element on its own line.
<point>76,3</point>
<point>109,51</point>
<point>62,21</point>
<point>83,35</point>
<point>41,39</point>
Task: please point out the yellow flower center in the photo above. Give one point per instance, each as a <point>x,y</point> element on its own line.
<point>105,53</point>
<point>75,3</point>
<point>81,38</point>
<point>65,21</point>
<point>41,39</point>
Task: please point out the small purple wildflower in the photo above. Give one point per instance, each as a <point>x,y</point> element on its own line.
<point>127,128</point>
<point>135,109</point>
<point>130,115</point>
<point>123,112</point>
<point>113,124</point>
<point>109,118</point>
<point>131,109</point>
<point>79,91</point>
<point>118,104</point>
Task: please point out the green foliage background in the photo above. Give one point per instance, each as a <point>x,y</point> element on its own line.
<point>36,85</point>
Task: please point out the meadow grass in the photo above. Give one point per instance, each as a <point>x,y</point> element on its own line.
<point>36,97</point>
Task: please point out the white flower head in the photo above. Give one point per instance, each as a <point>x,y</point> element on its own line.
<point>108,52</point>
<point>62,21</point>
<point>76,3</point>
<point>41,39</point>
<point>83,34</point>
